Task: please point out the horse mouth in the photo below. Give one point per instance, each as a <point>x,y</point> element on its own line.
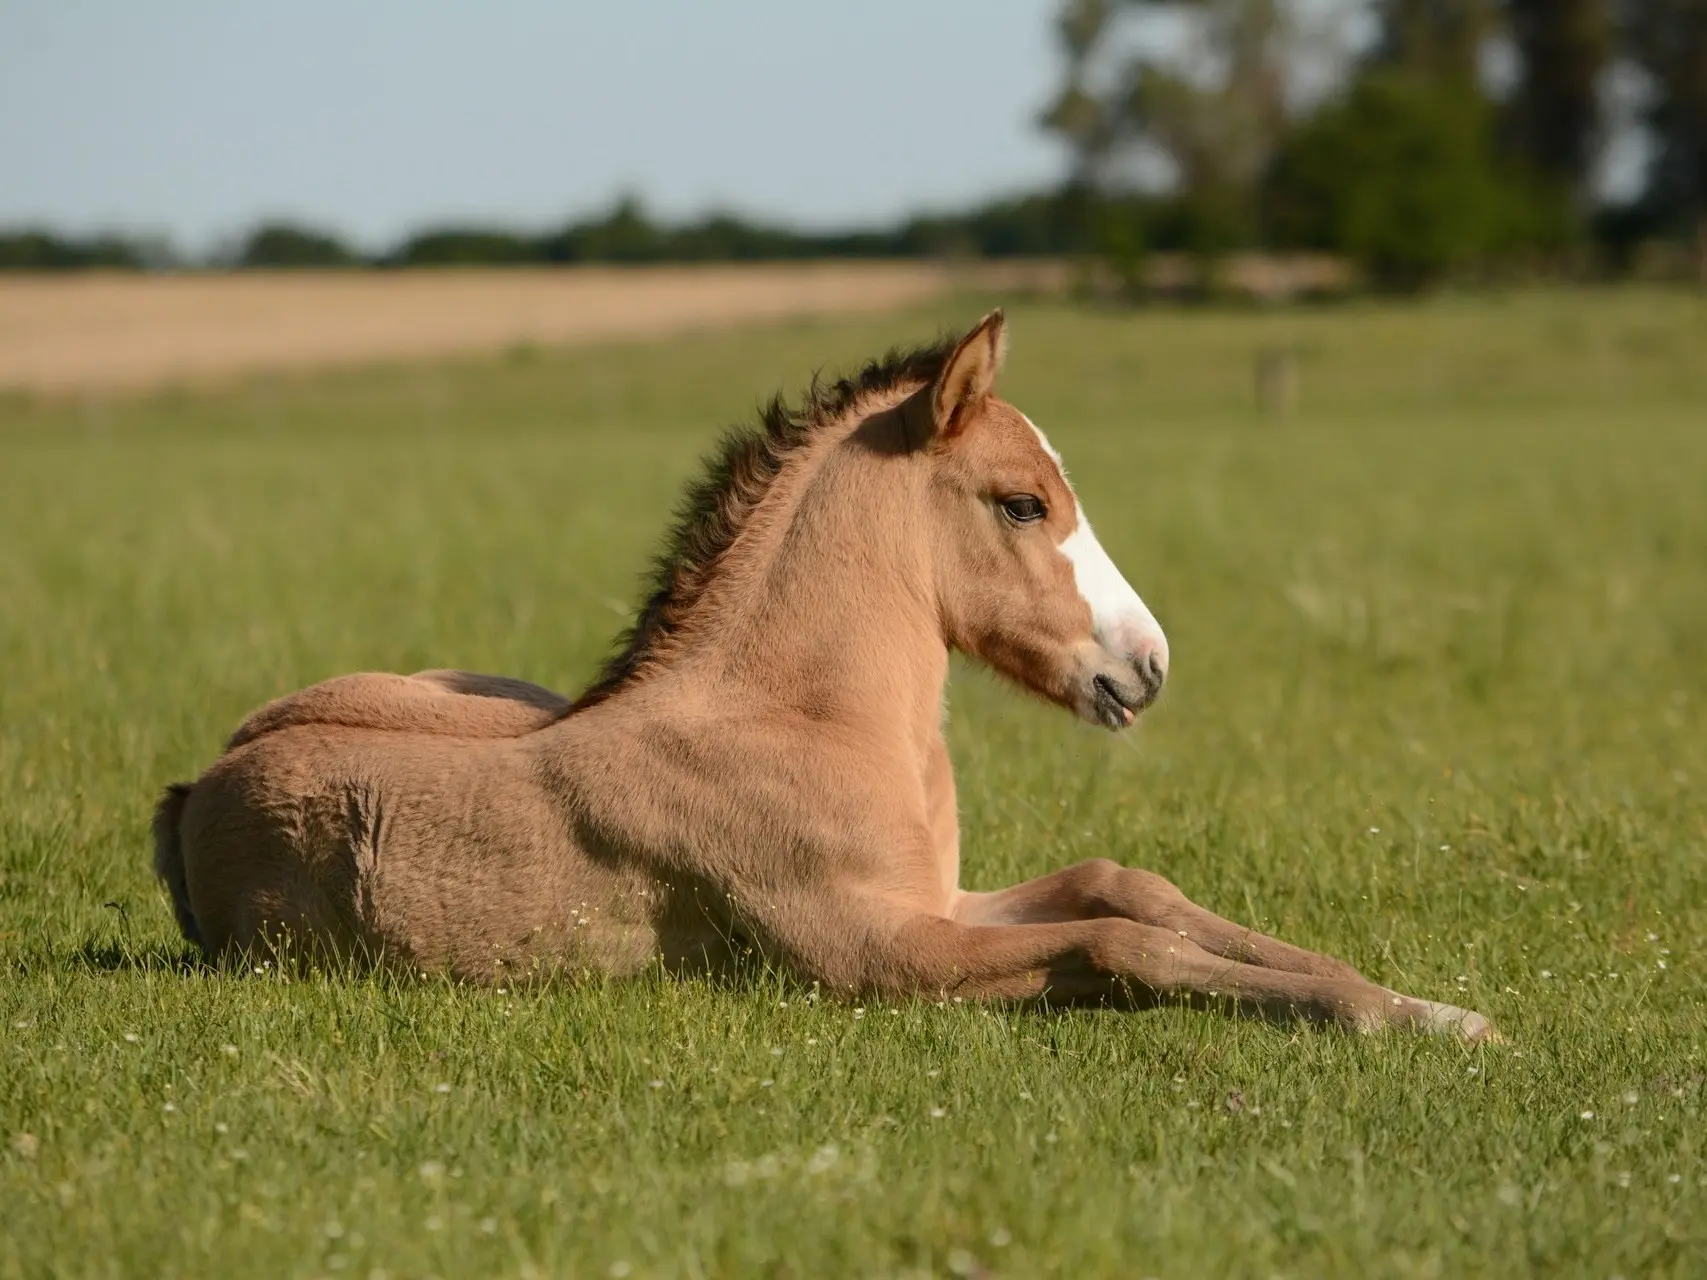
<point>1115,708</point>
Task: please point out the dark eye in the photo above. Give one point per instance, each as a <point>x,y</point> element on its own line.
<point>1022,508</point>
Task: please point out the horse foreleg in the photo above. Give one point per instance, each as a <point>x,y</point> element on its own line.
<point>1115,959</point>
<point>1100,888</point>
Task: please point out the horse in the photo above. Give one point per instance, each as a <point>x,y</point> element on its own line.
<point>761,767</point>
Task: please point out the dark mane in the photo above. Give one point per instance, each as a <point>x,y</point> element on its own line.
<point>716,507</point>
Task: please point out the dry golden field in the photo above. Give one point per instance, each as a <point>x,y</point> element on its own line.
<point>98,333</point>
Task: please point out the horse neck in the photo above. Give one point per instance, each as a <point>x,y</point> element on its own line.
<point>825,607</point>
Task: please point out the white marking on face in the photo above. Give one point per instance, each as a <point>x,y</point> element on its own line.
<point>1120,620</point>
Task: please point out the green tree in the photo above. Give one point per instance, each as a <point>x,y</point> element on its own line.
<point>1400,175</point>
<point>1437,40</point>
<point>1212,100</point>
<point>1565,46</point>
<point>37,249</point>
<point>1669,39</point>
<point>463,247</point>
<point>286,245</point>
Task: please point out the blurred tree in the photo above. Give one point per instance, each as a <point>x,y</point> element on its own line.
<point>1546,93</point>
<point>1439,40</point>
<point>1086,122</point>
<point>1219,114</point>
<point>36,249</point>
<point>285,245</point>
<point>1668,38</point>
<point>1083,119</point>
<point>1566,46</point>
<point>626,234</point>
<point>1400,175</point>
<point>463,247</point>
<point>1202,84</point>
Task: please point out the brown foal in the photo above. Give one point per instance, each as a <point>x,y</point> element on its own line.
<point>762,766</point>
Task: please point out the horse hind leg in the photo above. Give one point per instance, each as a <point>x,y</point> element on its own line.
<point>252,895</point>
<point>276,914</point>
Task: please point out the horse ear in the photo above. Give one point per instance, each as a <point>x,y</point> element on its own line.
<point>967,377</point>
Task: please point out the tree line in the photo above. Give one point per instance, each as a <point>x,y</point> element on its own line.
<point>1027,226</point>
<point>1420,139</point>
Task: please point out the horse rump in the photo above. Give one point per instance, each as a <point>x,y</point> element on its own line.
<point>169,856</point>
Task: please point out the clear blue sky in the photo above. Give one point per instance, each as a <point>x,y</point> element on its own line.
<point>195,117</point>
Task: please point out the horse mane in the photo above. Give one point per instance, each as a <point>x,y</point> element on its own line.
<point>715,508</point>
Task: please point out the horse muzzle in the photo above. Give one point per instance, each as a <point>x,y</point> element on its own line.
<point>1120,691</point>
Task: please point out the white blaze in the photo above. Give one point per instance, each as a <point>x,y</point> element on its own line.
<point>1122,622</point>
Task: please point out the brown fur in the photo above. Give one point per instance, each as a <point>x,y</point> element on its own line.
<point>762,765</point>
<point>453,703</point>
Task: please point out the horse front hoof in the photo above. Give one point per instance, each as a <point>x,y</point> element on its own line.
<point>1463,1024</point>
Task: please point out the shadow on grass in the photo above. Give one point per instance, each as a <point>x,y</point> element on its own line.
<point>739,974</point>
<point>124,957</point>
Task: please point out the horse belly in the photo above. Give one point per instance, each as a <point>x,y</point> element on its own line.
<point>438,856</point>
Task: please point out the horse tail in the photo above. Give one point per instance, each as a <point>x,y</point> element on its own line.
<point>169,856</point>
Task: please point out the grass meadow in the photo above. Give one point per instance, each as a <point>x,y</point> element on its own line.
<point>1437,705</point>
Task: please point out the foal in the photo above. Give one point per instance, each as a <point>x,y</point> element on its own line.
<point>762,765</point>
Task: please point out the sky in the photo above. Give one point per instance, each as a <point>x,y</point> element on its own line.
<point>195,118</point>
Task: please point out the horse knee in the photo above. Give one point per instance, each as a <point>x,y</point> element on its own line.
<point>1104,886</point>
<point>1141,895</point>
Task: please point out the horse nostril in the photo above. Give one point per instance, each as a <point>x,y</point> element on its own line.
<point>1153,668</point>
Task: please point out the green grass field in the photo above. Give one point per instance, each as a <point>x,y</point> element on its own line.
<point>1437,705</point>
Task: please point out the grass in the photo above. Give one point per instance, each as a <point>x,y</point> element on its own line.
<point>1440,661</point>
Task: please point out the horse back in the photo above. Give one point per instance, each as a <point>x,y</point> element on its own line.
<point>458,704</point>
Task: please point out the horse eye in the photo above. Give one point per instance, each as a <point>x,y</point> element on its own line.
<point>1022,508</point>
